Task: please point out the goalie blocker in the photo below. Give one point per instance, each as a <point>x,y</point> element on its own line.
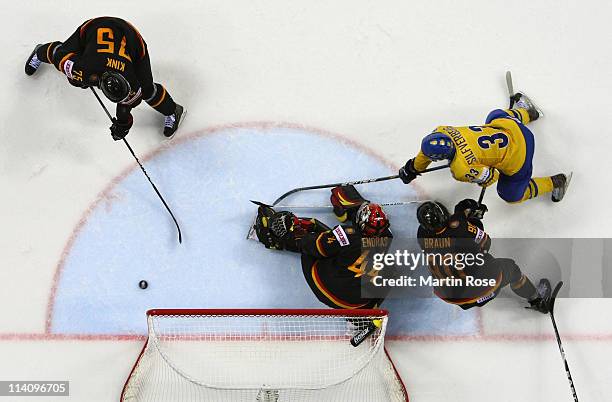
<point>335,262</point>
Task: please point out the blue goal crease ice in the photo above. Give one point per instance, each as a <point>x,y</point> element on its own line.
<point>208,181</point>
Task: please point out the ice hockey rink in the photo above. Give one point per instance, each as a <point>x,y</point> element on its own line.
<point>286,94</point>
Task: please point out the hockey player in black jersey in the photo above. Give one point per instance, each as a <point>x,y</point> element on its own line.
<point>335,262</point>
<point>442,235</point>
<point>109,53</point>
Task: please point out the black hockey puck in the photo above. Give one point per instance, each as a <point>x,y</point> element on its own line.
<point>143,284</point>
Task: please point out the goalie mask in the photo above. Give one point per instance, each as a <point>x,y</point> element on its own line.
<point>371,219</point>
<point>114,86</point>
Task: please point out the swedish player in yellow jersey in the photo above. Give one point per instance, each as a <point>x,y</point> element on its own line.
<point>499,151</point>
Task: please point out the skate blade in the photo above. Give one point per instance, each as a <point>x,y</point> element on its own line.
<point>567,183</point>
<point>532,102</point>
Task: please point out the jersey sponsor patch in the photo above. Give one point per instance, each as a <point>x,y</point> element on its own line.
<point>68,68</point>
<point>132,97</point>
<point>480,234</point>
<point>487,297</point>
<point>341,236</point>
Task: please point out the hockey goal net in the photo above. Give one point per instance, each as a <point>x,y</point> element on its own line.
<point>264,355</point>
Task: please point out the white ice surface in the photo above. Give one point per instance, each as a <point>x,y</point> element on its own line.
<point>380,75</point>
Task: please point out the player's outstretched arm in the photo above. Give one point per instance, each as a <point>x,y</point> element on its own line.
<point>414,167</point>
<point>66,57</point>
<point>346,200</point>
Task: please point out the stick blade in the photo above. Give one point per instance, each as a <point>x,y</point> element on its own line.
<point>553,296</point>
<point>261,204</point>
<point>509,83</point>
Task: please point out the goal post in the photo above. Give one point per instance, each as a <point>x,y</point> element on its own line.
<point>268,355</point>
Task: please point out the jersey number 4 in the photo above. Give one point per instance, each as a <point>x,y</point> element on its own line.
<point>106,43</point>
<point>359,266</point>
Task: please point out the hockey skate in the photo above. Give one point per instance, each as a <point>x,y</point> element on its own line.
<point>560,184</point>
<point>33,62</point>
<point>542,302</point>
<point>172,122</point>
<point>521,100</point>
<point>524,102</point>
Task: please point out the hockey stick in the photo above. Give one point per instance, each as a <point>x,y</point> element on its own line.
<point>514,97</point>
<point>350,183</point>
<point>251,233</point>
<point>321,206</point>
<point>178,228</point>
<point>482,193</point>
<point>552,317</point>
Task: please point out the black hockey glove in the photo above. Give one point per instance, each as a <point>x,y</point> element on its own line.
<point>471,208</point>
<point>408,172</point>
<point>120,129</point>
<point>478,212</point>
<point>262,228</point>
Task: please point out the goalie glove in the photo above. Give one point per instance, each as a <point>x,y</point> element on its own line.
<point>263,230</point>
<point>280,230</point>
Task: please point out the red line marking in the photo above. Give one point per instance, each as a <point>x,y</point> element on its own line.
<point>397,338</point>
<point>70,337</point>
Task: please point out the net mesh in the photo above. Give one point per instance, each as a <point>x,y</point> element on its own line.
<point>264,357</point>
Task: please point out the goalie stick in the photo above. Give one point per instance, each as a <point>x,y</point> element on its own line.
<point>321,206</point>
<point>252,236</point>
<point>553,297</point>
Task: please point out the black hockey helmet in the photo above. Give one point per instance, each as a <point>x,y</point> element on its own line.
<point>114,86</point>
<point>432,215</point>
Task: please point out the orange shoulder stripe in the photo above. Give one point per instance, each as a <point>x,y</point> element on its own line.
<point>61,63</point>
<point>84,26</point>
